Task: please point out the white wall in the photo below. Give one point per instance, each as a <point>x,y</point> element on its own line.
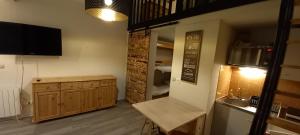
<point>225,39</point>
<point>196,95</point>
<point>216,38</point>
<point>151,64</point>
<point>90,46</point>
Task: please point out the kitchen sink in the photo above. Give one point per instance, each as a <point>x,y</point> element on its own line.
<point>237,102</point>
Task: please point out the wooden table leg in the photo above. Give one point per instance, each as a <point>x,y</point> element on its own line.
<point>148,127</point>
<point>200,125</point>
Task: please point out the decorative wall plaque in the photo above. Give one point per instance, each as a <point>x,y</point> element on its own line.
<point>191,57</point>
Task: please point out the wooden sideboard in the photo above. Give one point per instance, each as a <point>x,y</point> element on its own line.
<point>64,96</point>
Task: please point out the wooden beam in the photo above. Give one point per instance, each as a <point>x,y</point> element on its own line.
<point>290,66</point>
<point>290,42</point>
<point>288,87</point>
<point>296,22</point>
<point>165,45</point>
<point>297,2</point>
<point>288,94</point>
<point>287,101</point>
<point>289,125</point>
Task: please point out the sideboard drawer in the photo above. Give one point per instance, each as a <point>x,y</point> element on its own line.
<point>46,87</point>
<point>91,84</point>
<point>71,86</point>
<point>108,82</point>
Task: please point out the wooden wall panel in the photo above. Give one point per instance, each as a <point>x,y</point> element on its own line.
<point>288,86</point>
<point>288,93</point>
<point>287,101</point>
<point>137,67</point>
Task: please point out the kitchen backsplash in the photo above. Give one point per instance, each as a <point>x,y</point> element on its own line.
<point>240,82</point>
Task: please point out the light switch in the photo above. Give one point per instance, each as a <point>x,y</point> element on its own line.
<point>2,66</point>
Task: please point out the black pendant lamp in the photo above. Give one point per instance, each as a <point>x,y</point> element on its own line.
<point>108,10</point>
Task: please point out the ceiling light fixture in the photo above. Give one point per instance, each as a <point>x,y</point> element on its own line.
<point>108,2</point>
<point>108,10</point>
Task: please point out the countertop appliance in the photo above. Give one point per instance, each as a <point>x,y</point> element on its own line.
<point>247,54</point>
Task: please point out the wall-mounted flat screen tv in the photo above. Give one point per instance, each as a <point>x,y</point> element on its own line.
<point>23,39</point>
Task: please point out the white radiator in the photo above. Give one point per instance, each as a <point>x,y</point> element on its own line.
<point>9,102</point>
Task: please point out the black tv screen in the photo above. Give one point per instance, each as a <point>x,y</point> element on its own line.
<point>11,38</point>
<point>23,39</point>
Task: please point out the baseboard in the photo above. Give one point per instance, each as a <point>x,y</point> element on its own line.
<point>19,117</point>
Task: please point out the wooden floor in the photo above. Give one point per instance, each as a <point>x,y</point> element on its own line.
<point>120,120</point>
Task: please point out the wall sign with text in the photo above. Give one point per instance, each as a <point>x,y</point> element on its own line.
<point>191,57</point>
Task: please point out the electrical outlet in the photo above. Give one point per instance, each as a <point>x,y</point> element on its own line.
<point>2,66</point>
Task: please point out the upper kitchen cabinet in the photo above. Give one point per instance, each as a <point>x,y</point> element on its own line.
<point>252,46</point>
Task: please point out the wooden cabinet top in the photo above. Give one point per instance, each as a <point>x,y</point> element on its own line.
<point>72,79</point>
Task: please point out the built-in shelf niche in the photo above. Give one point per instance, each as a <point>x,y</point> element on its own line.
<point>164,54</point>
<point>165,45</point>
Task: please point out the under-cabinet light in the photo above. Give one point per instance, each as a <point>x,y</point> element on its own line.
<point>252,73</point>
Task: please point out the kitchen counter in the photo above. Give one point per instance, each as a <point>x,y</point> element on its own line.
<point>247,109</point>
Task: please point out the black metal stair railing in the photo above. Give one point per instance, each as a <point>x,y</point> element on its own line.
<point>259,123</point>
<point>143,12</point>
<point>147,13</point>
<point>146,10</point>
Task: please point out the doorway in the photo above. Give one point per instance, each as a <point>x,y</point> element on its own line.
<point>164,46</point>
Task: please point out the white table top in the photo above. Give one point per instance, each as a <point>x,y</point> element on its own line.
<point>168,113</point>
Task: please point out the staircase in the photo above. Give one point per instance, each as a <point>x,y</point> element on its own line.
<point>270,92</point>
